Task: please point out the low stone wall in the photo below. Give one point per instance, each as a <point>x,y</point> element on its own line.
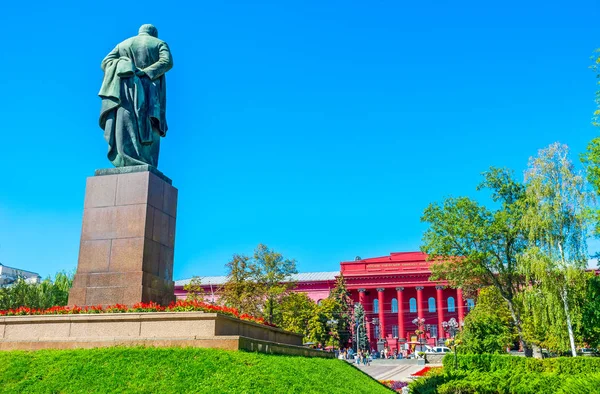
<point>164,329</point>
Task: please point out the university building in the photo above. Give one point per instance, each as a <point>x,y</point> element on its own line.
<point>394,291</point>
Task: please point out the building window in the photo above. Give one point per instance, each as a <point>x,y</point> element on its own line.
<point>433,331</point>
<point>394,305</point>
<point>451,305</point>
<point>375,306</point>
<point>395,331</point>
<point>319,302</point>
<point>470,304</point>
<point>412,303</point>
<point>431,304</point>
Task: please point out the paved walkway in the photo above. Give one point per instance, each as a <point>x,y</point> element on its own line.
<point>392,369</point>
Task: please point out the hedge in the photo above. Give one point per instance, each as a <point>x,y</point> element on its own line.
<point>490,373</point>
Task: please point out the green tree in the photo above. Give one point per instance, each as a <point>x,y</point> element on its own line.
<point>259,284</point>
<point>43,295</point>
<point>488,327</point>
<point>475,247</point>
<point>591,312</point>
<point>297,310</point>
<point>272,273</point>
<point>360,331</point>
<point>342,315</point>
<point>241,291</point>
<point>558,221</point>
<point>591,157</point>
<point>194,289</point>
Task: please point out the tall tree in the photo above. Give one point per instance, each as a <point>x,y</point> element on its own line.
<point>558,222</point>
<point>272,272</point>
<point>474,247</point>
<point>241,291</point>
<point>343,311</point>
<point>359,329</point>
<point>591,157</point>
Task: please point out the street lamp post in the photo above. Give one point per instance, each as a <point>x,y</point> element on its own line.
<point>451,327</point>
<point>420,323</point>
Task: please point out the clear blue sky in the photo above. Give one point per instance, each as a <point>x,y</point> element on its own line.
<point>319,128</point>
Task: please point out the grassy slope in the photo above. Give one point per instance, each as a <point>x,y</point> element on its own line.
<point>149,370</point>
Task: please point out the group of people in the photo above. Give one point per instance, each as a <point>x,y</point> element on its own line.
<point>364,356</point>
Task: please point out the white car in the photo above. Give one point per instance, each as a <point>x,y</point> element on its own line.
<point>438,350</point>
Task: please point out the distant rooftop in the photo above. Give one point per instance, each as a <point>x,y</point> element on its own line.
<point>300,277</point>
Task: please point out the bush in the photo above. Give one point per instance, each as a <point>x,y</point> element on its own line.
<point>496,362</point>
<point>489,373</point>
<point>41,295</point>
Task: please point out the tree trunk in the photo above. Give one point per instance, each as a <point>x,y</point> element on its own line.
<point>524,344</point>
<point>569,324</point>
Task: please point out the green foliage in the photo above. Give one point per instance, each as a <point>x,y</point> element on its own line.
<point>297,310</point>
<point>359,326</point>
<point>591,312</point>
<point>474,247</point>
<point>194,290</point>
<point>41,295</point>
<point>488,327</point>
<point>342,312</point>
<point>241,291</point>
<point>558,222</point>
<point>591,157</point>
<point>272,273</point>
<point>259,284</point>
<point>496,362</point>
<point>176,370</point>
<point>580,385</point>
<point>487,373</point>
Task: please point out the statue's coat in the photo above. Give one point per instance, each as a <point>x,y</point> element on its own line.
<point>133,113</point>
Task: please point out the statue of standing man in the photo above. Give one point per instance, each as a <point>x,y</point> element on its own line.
<point>134,100</point>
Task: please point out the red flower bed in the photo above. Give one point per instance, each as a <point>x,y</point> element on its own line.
<point>179,306</point>
<point>426,370</point>
<point>422,372</point>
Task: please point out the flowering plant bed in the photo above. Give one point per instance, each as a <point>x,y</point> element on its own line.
<point>395,385</point>
<point>179,306</point>
<point>426,371</point>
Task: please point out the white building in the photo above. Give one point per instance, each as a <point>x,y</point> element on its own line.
<point>8,275</point>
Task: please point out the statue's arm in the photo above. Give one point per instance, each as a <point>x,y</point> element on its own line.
<point>113,55</point>
<point>164,63</point>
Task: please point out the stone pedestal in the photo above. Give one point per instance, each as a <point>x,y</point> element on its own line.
<point>127,239</point>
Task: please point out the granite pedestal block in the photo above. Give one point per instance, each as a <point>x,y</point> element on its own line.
<point>127,239</point>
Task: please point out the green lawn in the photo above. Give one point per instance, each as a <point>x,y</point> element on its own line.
<point>176,370</point>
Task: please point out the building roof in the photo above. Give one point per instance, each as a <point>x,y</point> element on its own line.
<point>19,270</point>
<point>300,277</point>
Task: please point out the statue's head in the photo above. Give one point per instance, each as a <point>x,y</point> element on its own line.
<point>148,29</point>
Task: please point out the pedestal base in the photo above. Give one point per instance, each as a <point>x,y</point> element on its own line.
<point>127,240</point>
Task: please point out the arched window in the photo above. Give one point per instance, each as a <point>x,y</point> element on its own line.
<point>431,304</point>
<point>470,304</point>
<point>375,306</point>
<point>451,304</point>
<point>319,302</point>
<point>394,305</point>
<point>412,303</point>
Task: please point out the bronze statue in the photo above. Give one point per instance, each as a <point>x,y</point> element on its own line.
<point>134,100</point>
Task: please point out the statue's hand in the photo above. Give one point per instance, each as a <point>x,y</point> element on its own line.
<point>139,73</point>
